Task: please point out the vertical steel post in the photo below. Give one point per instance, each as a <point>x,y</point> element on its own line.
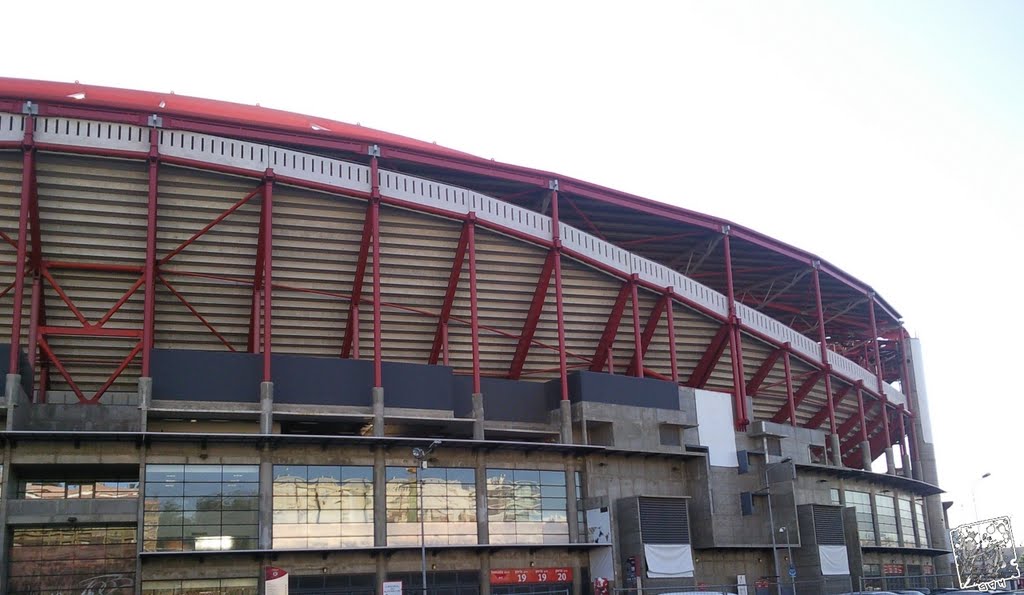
<point>874,345</point>
<point>378,377</point>
<point>735,350</point>
<point>27,168</point>
<point>474,321</point>
<point>638,354</point>
<point>862,415</point>
<point>790,397</point>
<point>556,245</point>
<point>671,336</point>
<point>33,321</point>
<point>823,340</point>
<point>268,267</point>
<point>149,307</point>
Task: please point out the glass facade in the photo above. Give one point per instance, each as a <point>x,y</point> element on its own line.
<point>865,519</point>
<point>527,506</point>
<point>221,586</point>
<point>885,507</point>
<point>323,506</point>
<point>85,559</point>
<point>922,528</point>
<point>201,507</point>
<point>906,522</point>
<point>449,505</point>
<point>55,489</point>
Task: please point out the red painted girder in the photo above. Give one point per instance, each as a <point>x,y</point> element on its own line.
<point>92,331</point>
<point>64,297</point>
<point>611,328</point>
<point>533,316</point>
<point>27,167</point>
<point>798,397</point>
<point>195,312</point>
<point>266,224</point>
<point>702,373</point>
<point>823,413</point>
<point>117,372</point>
<point>590,224</point>
<point>256,299</point>
<point>657,239</point>
<point>763,371</point>
<point>357,281</point>
<point>219,218</point>
<point>649,329</point>
<point>45,348</point>
<point>449,294</point>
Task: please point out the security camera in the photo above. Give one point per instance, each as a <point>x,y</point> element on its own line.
<point>419,454</point>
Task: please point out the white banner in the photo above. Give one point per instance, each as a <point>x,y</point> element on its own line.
<point>833,560</point>
<point>669,560</point>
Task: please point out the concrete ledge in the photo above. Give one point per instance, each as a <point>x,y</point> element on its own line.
<point>86,511</point>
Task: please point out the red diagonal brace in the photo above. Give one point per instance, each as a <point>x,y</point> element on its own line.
<point>211,224</point>
<point>611,328</point>
<point>357,282</point>
<point>822,413</point>
<point>805,389</point>
<point>763,371</point>
<point>649,329</point>
<point>540,294</point>
<point>449,294</point>
<point>702,373</point>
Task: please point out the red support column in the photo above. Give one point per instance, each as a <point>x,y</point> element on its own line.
<point>453,286</point>
<point>532,317</point>
<point>638,353</point>
<point>268,260</point>
<point>27,170</point>
<point>790,398</point>
<point>863,417</point>
<point>874,345</point>
<point>33,324</point>
<point>671,335</point>
<point>556,245</point>
<point>474,322</point>
<point>904,369</point>
<point>149,307</point>
<point>823,341</point>
<point>378,378</point>
<point>735,349</point>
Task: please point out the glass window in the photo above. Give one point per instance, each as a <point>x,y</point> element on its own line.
<point>527,506</point>
<point>59,489</point>
<point>885,507</point>
<point>906,522</point>
<point>322,506</point>
<point>833,496</point>
<point>201,507</point>
<point>861,501</point>
<point>449,506</point>
<point>922,528</point>
<point>80,559</point>
<point>221,586</point>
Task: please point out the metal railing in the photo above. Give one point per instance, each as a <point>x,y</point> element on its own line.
<point>909,583</point>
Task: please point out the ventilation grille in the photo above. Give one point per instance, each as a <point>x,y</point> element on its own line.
<point>828,526</point>
<point>664,520</point>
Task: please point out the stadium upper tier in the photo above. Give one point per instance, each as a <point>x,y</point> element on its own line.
<point>470,265</point>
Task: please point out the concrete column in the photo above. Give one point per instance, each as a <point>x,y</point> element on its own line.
<point>485,573</point>
<point>865,447</point>
<point>837,454</point>
<point>140,531</point>
<point>478,416</point>
<point>13,392</point>
<point>266,499</point>
<point>378,411</point>
<point>145,400</point>
<point>890,461</point>
<point>7,486</point>
<point>577,580</point>
<point>382,573</point>
<point>380,502</point>
<point>266,407</point>
<point>565,407</point>
<point>571,504</point>
<point>908,469</point>
<point>482,527</point>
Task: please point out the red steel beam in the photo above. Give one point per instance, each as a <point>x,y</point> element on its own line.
<point>268,268</point>
<point>673,361</point>
<point>474,325</point>
<point>533,316</point>
<point>27,167</point>
<point>702,372</point>
<point>219,218</point>
<point>45,348</point>
<point>735,344</point>
<point>449,294</point>
<point>823,413</point>
<point>378,378</point>
<point>36,313</point>
<point>611,328</point>
<point>351,335</point>
<point>766,367</point>
<point>149,274</point>
<point>638,347</point>
<point>823,340</point>
<point>195,312</point>
<point>650,328</point>
<point>117,372</point>
<point>790,397</point>
<point>556,245</point>
<point>798,397</point>
<point>64,297</point>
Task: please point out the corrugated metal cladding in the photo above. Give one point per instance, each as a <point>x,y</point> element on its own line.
<point>93,210</point>
<point>828,525</point>
<point>664,520</point>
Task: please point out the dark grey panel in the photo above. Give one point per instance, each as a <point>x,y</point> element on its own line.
<point>23,368</point>
<point>504,400</point>
<point>828,525</point>
<point>322,380</point>
<point>664,520</point>
<point>186,375</point>
<point>59,417</point>
<point>616,389</point>
<point>418,386</point>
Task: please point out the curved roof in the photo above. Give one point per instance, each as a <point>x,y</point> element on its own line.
<point>770,262</point>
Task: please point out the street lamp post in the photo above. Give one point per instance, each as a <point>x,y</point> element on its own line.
<point>974,493</point>
<point>789,555</point>
<point>771,521</point>
<point>421,455</point>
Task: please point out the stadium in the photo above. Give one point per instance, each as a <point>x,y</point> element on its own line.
<point>245,343</point>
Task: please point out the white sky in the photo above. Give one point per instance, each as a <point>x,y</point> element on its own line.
<point>887,138</point>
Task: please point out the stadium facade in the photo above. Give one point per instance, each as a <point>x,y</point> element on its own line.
<point>227,328</point>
